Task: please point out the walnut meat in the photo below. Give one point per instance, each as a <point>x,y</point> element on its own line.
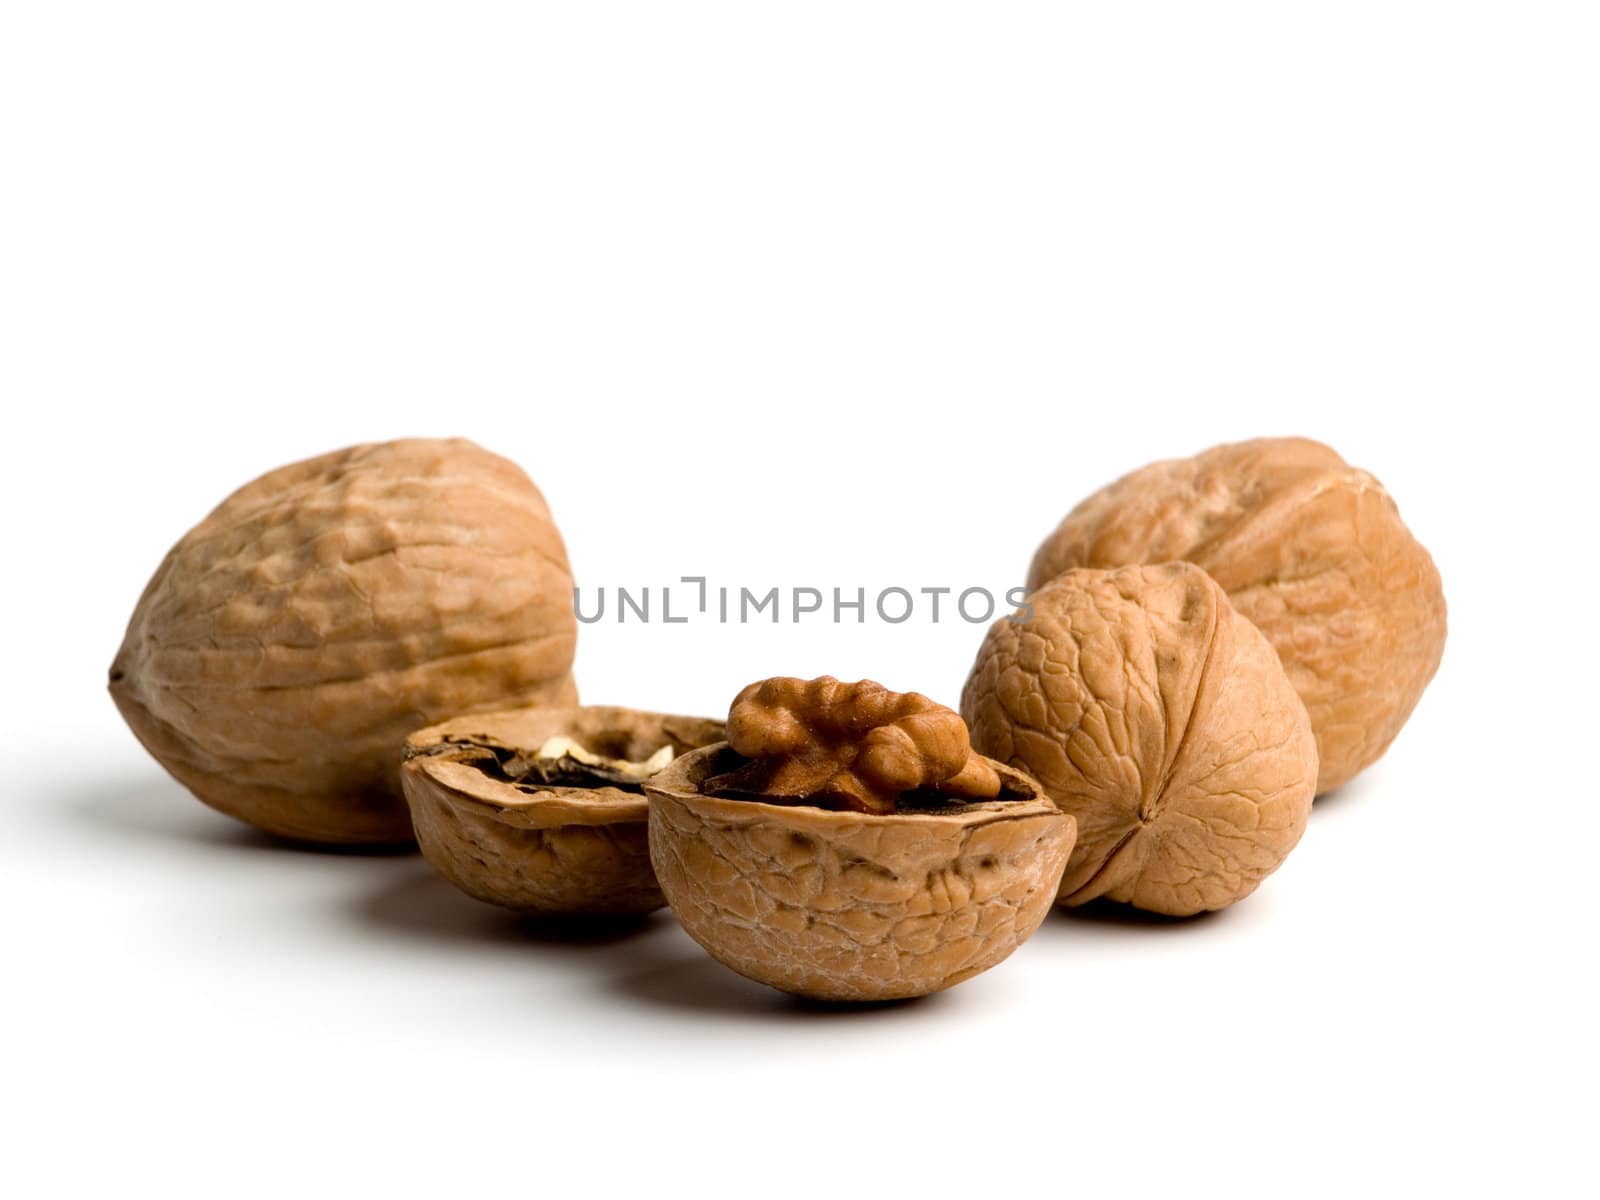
<point>290,641</point>
<point>543,810</point>
<point>855,746</point>
<point>839,904</point>
<point>1161,719</point>
<point>1309,548</point>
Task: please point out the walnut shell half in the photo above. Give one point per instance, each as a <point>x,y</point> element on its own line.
<point>854,906</point>
<point>289,642</point>
<point>1309,548</point>
<point>502,835</point>
<point>1161,719</point>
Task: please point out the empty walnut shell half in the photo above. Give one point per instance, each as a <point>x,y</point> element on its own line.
<point>852,906</point>
<point>543,810</point>
<point>1159,717</point>
<point>289,641</point>
<point>1310,549</point>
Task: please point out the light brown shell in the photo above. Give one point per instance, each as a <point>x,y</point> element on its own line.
<point>853,906</point>
<point>289,642</point>
<point>1310,549</point>
<point>552,850</point>
<point>1159,718</point>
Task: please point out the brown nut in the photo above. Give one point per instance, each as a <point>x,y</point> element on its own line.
<point>543,810</point>
<point>289,642</point>
<point>1309,548</point>
<point>848,905</point>
<point>850,746</point>
<point>1161,719</point>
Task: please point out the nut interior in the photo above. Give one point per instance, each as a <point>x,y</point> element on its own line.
<point>494,759</point>
<point>849,747</point>
<point>704,770</point>
<point>565,765</point>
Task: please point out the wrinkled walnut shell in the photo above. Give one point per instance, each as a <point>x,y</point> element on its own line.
<point>1161,719</point>
<point>289,641</point>
<point>1310,549</point>
<point>850,906</point>
<point>554,850</point>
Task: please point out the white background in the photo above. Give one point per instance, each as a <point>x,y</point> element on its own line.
<point>849,294</point>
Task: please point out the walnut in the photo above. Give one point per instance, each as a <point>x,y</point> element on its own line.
<point>1309,548</point>
<point>809,890</point>
<point>1162,720</point>
<point>850,746</point>
<point>542,810</point>
<point>289,641</point>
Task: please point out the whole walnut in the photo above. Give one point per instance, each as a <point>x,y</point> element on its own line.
<point>290,641</point>
<point>1156,715</point>
<point>1309,548</point>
